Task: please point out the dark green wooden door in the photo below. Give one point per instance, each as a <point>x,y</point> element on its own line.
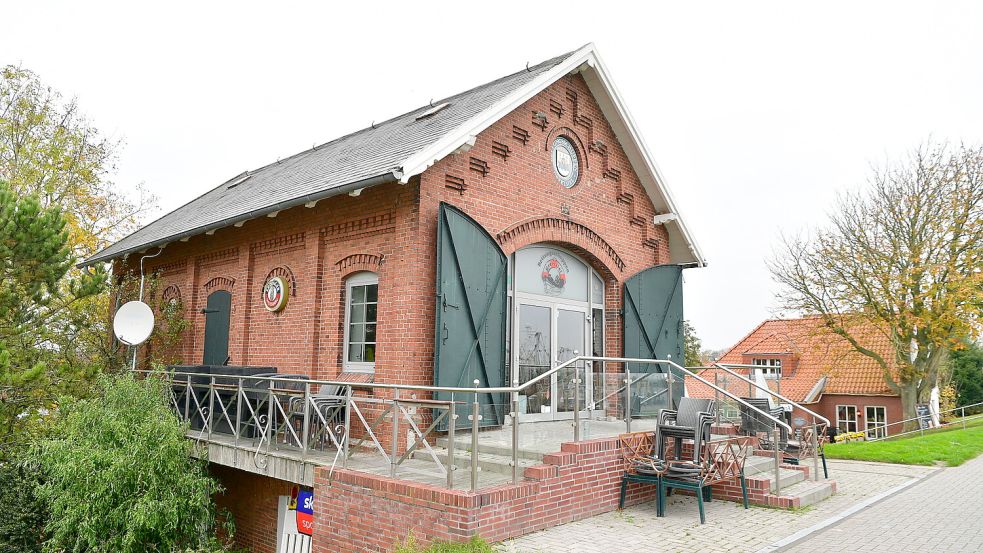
<point>471,311</point>
<point>218,310</point>
<point>653,329</point>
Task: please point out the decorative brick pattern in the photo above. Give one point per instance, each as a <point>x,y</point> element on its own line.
<point>171,268</point>
<point>501,150</point>
<point>219,283</point>
<point>359,262</point>
<point>286,274</point>
<point>279,244</point>
<point>556,229</point>
<point>479,166</point>
<point>223,256</point>
<point>455,183</point>
<point>520,134</point>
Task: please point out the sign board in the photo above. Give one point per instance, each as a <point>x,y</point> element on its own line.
<point>295,521</point>
<point>924,414</point>
<point>305,513</point>
<point>275,294</point>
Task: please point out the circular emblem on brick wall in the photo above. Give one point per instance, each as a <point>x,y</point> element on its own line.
<point>275,294</point>
<point>566,165</point>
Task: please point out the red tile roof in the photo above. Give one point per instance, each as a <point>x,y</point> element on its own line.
<point>810,351</point>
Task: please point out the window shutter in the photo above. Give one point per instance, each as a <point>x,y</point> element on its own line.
<point>653,323</point>
<point>471,313</point>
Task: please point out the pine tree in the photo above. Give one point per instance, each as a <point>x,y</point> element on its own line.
<point>35,258</point>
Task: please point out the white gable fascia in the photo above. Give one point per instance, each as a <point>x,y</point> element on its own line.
<point>419,162</point>
<point>682,246</point>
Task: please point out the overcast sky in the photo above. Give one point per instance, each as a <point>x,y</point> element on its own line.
<point>757,113</point>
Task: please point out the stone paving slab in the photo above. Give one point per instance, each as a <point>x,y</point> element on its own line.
<point>940,514</point>
<point>729,527</point>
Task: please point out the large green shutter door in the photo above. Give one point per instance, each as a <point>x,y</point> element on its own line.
<point>471,311</point>
<point>653,326</point>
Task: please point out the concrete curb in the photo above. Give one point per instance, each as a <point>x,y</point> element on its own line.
<point>788,541</point>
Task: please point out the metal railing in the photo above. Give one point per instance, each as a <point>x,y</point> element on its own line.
<point>294,416</point>
<point>877,429</point>
<point>814,434</point>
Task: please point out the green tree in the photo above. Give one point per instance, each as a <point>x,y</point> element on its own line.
<point>903,258</point>
<point>34,260</point>
<point>692,346</point>
<point>966,366</point>
<point>49,150</point>
<point>24,515</point>
<point>120,475</point>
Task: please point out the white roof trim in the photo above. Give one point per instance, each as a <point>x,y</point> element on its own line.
<point>684,250</point>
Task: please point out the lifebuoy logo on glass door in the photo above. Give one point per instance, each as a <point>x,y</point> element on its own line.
<point>553,271</point>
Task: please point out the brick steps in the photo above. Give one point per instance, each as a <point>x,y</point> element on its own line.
<point>464,444</point>
<point>798,490</point>
<point>809,492</point>
<point>487,462</point>
<point>766,480</point>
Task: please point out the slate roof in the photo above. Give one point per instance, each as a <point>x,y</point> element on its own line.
<point>372,152</point>
<point>817,352</point>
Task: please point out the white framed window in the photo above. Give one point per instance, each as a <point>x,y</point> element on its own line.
<point>846,418</point>
<point>874,421</point>
<point>770,368</point>
<point>361,314</point>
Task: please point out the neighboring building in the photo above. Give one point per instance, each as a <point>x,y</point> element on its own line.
<point>485,236</point>
<point>807,363</point>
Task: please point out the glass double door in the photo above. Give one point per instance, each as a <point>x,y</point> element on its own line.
<point>547,335</point>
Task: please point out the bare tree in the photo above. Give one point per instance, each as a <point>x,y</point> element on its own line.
<point>905,258</point>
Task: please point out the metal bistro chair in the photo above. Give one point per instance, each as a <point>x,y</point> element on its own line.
<point>801,449</point>
<point>290,388</point>
<point>329,407</point>
<point>754,424</point>
<point>640,465</point>
<point>692,421</point>
<point>721,460</point>
<point>256,390</point>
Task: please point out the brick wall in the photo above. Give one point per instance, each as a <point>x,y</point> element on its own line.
<point>365,512</point>
<point>252,500</point>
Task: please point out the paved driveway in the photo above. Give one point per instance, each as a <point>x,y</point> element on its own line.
<point>729,527</point>
<point>942,513</point>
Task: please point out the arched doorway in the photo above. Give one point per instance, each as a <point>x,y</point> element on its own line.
<point>557,309</point>
<point>218,311</point>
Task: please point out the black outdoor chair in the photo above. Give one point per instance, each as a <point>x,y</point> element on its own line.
<point>800,449</point>
<point>754,424</point>
<point>286,389</point>
<point>691,421</point>
<point>329,404</point>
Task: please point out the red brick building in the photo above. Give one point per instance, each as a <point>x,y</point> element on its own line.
<point>485,236</point>
<point>810,365</point>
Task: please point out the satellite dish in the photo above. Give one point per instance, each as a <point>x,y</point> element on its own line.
<point>133,323</point>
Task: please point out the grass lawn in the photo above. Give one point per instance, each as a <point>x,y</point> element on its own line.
<point>952,446</point>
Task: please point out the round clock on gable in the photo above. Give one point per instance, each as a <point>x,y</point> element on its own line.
<point>566,165</point>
